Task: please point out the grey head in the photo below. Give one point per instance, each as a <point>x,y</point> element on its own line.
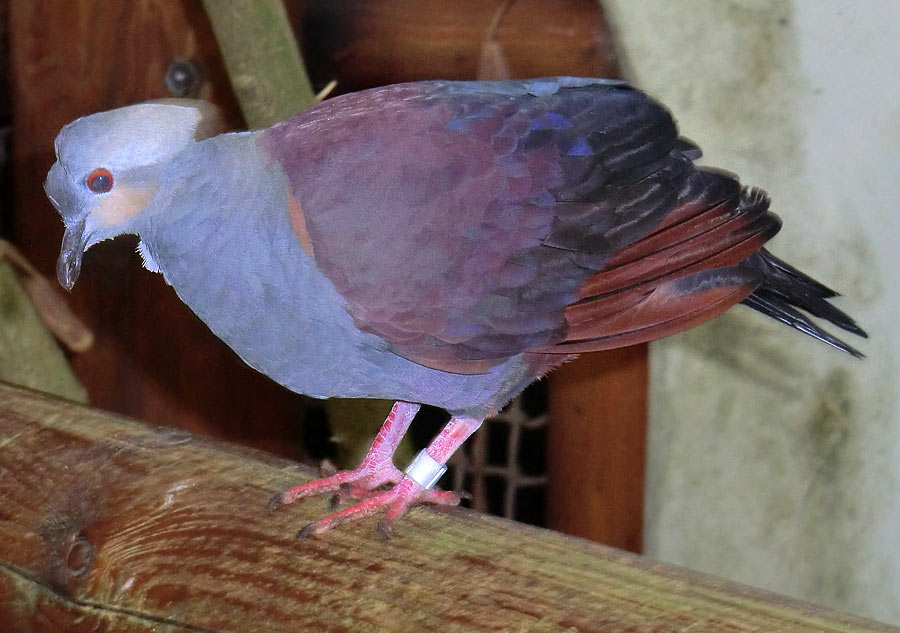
<point>109,166</point>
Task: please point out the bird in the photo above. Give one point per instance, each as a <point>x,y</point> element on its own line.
<point>438,243</point>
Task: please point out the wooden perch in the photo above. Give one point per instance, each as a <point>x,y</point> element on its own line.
<point>108,524</point>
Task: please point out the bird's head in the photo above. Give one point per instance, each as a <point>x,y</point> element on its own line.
<point>109,165</point>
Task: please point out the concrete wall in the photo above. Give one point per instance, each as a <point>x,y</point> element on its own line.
<point>775,460</point>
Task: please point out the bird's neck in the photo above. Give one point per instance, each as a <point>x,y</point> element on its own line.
<point>220,233</point>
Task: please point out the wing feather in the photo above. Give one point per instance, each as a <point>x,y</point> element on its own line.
<point>465,223</point>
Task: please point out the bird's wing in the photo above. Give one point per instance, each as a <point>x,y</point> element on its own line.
<point>467,222</point>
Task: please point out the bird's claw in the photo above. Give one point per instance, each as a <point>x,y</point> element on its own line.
<point>394,502</point>
<point>367,483</point>
<point>385,529</point>
<point>356,484</point>
<point>356,491</point>
<point>275,502</point>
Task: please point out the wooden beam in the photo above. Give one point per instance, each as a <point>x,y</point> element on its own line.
<point>108,524</point>
<point>597,446</point>
<point>361,43</point>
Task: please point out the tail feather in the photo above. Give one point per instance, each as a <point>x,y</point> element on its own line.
<point>786,291</point>
<point>782,270</point>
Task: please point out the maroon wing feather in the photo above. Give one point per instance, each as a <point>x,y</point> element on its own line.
<point>467,222</point>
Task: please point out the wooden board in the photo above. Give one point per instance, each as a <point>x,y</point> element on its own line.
<point>597,447</point>
<point>110,525</point>
<point>361,43</point>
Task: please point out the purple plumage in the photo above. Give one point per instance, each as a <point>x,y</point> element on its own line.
<point>441,243</point>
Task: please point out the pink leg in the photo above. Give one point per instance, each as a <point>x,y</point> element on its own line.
<point>408,491</point>
<point>376,468</point>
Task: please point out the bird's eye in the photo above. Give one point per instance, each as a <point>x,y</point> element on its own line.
<point>99,181</point>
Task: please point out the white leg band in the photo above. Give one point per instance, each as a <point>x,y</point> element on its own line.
<point>425,470</point>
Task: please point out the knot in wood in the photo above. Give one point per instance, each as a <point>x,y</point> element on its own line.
<point>80,556</point>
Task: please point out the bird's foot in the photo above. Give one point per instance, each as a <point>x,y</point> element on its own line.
<point>372,474</point>
<point>394,502</point>
<point>411,487</point>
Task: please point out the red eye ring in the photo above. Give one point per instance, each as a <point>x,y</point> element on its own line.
<point>99,181</point>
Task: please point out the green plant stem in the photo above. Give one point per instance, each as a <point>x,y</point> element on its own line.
<point>262,58</point>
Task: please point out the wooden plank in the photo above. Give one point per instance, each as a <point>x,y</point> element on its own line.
<point>108,524</point>
<point>597,444</point>
<point>363,43</point>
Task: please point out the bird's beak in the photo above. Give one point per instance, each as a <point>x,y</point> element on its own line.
<point>69,263</point>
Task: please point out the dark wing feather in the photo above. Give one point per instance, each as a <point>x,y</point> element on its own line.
<point>689,269</point>
<point>648,313</point>
<point>786,291</point>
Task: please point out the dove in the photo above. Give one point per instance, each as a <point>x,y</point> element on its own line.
<point>437,242</point>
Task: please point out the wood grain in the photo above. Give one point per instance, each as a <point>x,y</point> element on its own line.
<point>597,445</point>
<point>110,525</point>
<point>362,43</point>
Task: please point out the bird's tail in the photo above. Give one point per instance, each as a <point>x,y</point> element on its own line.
<point>787,294</point>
